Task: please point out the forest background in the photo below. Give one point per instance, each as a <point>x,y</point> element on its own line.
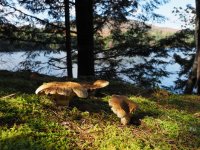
<point>107,39</point>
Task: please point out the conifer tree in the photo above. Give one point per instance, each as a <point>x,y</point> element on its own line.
<point>131,42</point>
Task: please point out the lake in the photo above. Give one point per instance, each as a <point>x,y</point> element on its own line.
<point>11,62</point>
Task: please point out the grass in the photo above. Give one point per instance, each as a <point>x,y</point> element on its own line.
<point>29,121</point>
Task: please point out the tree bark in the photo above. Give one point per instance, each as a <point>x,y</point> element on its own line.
<point>85,41</point>
<point>197,38</point>
<point>192,78</point>
<point>68,40</point>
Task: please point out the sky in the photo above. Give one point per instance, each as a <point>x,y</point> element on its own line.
<point>166,10</point>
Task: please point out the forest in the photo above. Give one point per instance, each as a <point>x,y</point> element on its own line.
<point>95,74</point>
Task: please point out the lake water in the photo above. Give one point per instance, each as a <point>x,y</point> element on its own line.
<point>11,61</point>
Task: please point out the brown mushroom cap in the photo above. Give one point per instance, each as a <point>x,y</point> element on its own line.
<point>118,105</point>
<point>122,107</point>
<point>96,85</point>
<point>100,84</point>
<point>63,88</point>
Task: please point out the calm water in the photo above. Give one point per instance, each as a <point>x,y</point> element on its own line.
<point>12,61</point>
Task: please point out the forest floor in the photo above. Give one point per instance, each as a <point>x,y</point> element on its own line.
<point>27,121</point>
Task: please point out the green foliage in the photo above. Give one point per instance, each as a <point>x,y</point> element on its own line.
<point>160,34</point>
<point>29,121</point>
<point>135,54</point>
<point>180,47</point>
<point>186,15</point>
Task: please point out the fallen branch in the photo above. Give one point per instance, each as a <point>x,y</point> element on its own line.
<point>8,96</point>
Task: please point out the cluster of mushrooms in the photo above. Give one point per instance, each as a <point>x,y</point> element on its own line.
<point>63,92</point>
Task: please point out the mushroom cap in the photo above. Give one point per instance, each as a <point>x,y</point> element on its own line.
<point>118,106</point>
<point>122,106</point>
<point>100,84</point>
<point>63,88</point>
<point>96,85</point>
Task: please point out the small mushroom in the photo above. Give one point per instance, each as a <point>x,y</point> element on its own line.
<point>93,88</point>
<point>96,85</point>
<point>99,84</point>
<point>122,107</point>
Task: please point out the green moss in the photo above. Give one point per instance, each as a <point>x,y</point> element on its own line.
<point>29,121</point>
<point>25,137</point>
<point>113,137</point>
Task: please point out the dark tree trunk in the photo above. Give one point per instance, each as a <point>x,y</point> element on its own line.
<point>68,40</point>
<point>192,78</point>
<point>84,24</point>
<point>197,38</point>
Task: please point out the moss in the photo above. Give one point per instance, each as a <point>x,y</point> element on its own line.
<point>28,121</point>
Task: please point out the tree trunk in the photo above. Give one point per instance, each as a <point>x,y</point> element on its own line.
<point>192,78</point>
<point>68,40</point>
<point>197,36</point>
<point>84,24</point>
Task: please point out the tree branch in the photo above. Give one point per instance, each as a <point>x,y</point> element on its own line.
<point>38,19</point>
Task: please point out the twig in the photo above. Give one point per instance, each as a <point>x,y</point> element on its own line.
<point>8,96</point>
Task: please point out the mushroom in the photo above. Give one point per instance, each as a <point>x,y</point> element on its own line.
<point>99,84</point>
<point>122,107</point>
<point>63,92</point>
<point>92,87</point>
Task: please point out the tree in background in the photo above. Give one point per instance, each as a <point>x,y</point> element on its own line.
<point>85,40</point>
<point>68,39</point>
<point>45,34</point>
<point>197,39</point>
<point>181,47</point>
<point>189,62</point>
<point>128,39</point>
<point>129,47</point>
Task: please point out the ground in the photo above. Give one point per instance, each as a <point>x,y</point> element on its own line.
<point>28,121</point>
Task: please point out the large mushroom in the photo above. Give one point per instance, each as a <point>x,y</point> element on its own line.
<point>63,92</point>
<point>122,107</point>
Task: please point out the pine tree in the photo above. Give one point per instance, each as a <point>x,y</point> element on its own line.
<point>129,41</point>
<point>197,36</point>
<point>85,40</point>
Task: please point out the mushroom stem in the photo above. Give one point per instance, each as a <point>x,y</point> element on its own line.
<point>126,119</point>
